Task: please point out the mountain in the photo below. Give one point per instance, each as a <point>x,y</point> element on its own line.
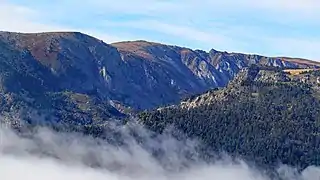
<point>264,115</point>
<point>55,76</point>
<point>169,73</point>
<point>78,79</point>
<point>262,109</point>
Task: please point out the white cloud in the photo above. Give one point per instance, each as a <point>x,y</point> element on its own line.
<point>19,18</point>
<point>22,19</point>
<point>198,21</point>
<point>235,38</point>
<point>174,5</point>
<point>179,32</point>
<point>203,23</point>
<point>66,156</point>
<point>306,48</point>
<point>299,6</point>
<point>139,6</point>
<point>280,11</point>
<point>291,9</point>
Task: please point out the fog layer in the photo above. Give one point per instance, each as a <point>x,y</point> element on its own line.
<point>70,156</point>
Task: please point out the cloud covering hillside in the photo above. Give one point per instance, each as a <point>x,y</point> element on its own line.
<point>49,155</point>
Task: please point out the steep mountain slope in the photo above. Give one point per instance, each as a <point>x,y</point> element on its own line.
<point>182,71</point>
<point>263,115</point>
<point>55,74</point>
<point>213,68</point>
<point>73,76</point>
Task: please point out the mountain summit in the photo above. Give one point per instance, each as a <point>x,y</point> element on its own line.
<point>96,80</point>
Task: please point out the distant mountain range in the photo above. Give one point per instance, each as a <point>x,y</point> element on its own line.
<point>79,79</point>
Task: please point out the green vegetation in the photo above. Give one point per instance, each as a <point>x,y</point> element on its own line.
<point>262,121</point>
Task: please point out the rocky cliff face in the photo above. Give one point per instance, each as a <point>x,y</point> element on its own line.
<point>168,73</point>
<point>99,79</point>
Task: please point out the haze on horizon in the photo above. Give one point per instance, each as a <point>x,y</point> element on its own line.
<point>271,28</point>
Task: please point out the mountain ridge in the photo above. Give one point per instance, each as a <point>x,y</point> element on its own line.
<point>287,58</point>
<point>248,105</point>
<point>61,33</point>
<point>126,75</point>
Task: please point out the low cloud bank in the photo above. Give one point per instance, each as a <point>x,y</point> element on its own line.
<point>70,156</point>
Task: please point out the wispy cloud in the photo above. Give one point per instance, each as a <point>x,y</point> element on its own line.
<point>302,6</point>
<point>179,32</point>
<point>20,18</point>
<point>239,26</point>
<point>24,19</point>
<point>45,154</point>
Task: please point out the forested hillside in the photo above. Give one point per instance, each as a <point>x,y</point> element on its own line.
<point>264,116</point>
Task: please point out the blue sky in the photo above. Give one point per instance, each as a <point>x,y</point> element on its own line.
<point>273,28</point>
